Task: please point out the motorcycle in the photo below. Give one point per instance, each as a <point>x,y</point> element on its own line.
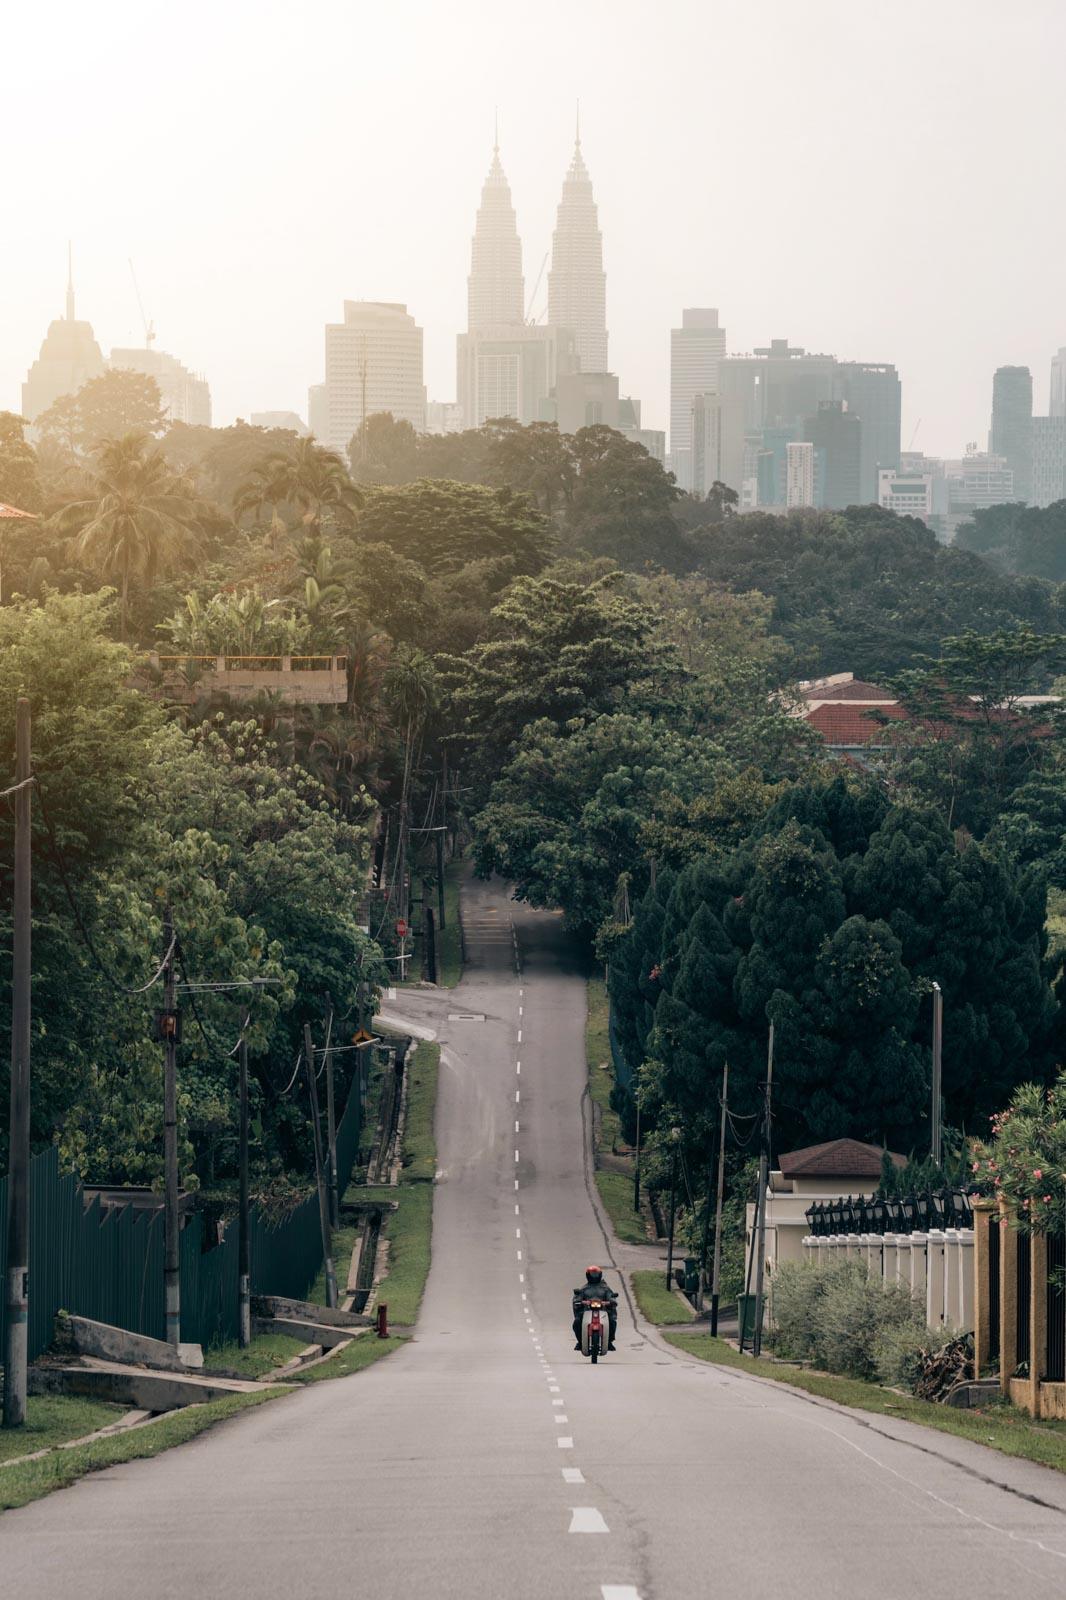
<point>593,1343</point>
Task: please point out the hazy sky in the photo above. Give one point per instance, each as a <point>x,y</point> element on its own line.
<point>881,179</point>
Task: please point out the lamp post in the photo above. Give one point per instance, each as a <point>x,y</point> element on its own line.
<point>938,1040</point>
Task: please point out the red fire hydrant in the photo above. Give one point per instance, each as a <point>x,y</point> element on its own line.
<point>383,1322</point>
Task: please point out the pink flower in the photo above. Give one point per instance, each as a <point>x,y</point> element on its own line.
<point>1038,1173</point>
<point>1047,1199</point>
<point>976,1167</point>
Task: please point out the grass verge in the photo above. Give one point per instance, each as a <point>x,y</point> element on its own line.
<point>658,1303</point>
<point>614,1182</point>
<point>53,1419</point>
<point>408,1230</point>
<point>19,1485</point>
<point>361,1353</point>
<point>419,1145</point>
<point>998,1425</point>
<point>266,1351</point>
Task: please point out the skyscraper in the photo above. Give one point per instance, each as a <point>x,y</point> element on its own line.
<point>799,473</point>
<point>838,432</point>
<point>872,392</point>
<point>69,358</point>
<point>1012,425</point>
<point>577,283</point>
<point>1057,403</point>
<point>495,294</point>
<point>373,363</point>
<point>717,443</point>
<point>696,348</point>
<point>1048,450</point>
<point>184,396</point>
<point>505,367</point>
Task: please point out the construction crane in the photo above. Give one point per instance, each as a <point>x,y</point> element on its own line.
<point>914,435</point>
<point>529,306</point>
<point>149,327</point>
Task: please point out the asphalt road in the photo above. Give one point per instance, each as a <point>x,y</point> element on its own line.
<point>488,1459</point>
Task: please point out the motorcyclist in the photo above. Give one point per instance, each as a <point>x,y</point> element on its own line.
<point>594,1288</point>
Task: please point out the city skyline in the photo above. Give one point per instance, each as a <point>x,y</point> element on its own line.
<point>219,258</point>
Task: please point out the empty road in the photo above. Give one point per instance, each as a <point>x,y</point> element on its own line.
<point>486,1458</point>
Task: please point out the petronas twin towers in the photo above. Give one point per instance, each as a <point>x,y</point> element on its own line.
<point>508,364</point>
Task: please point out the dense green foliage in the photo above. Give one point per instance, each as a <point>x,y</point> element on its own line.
<point>1029,540</point>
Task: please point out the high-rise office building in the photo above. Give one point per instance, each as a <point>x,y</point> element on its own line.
<point>577,283</point>
<point>505,367</point>
<point>779,383</point>
<point>373,364</point>
<point>799,473</point>
<point>908,494</point>
<point>1048,482</point>
<point>696,348</point>
<point>1012,424</point>
<point>718,443</point>
<point>836,431</point>
<point>510,371</point>
<point>872,392</point>
<point>495,289</point>
<point>69,357</point>
<point>1057,402</point>
<point>184,396</point>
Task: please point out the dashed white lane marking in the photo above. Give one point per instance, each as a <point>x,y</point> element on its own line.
<point>560,1419</point>
<point>553,1388</point>
<point>518,1068</point>
<point>516,1183</point>
<point>619,1591</point>
<point>516,1128</point>
<point>520,1011</point>
<point>518,1097</point>
<point>586,1519</point>
<point>516,1158</point>
<point>558,1402</point>
<point>573,1475</point>
<point>518,1233</point>
<point>521,1277</point>
<point>565,1442</point>
<point>518,1253</point>
<point>521,991</point>
<point>516,1214</point>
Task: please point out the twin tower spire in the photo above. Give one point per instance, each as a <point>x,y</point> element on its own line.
<point>577,283</point>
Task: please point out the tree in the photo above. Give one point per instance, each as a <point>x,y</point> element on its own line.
<point>312,481</point>
<point>559,651</point>
<point>138,518</point>
<point>565,817</point>
<point>446,526</point>
<point>1020,539</point>
<point>385,449</point>
<point>20,484</point>
<point>108,407</point>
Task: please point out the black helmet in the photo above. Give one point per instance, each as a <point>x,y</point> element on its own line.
<point>594,1274</point>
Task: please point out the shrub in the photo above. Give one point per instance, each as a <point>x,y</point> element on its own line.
<point>843,1320</point>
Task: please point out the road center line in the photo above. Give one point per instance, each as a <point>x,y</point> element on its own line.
<point>518,1097</point>
<point>558,1402</point>
<point>518,1233</point>
<point>574,1475</point>
<point>520,1036</point>
<point>619,1591</point>
<point>586,1519</point>
<point>565,1442</point>
<point>516,1129</point>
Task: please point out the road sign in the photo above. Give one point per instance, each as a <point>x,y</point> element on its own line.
<point>401,929</point>
<point>362,1037</point>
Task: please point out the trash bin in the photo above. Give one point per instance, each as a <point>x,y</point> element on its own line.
<point>746,1318</point>
<point>692,1275</point>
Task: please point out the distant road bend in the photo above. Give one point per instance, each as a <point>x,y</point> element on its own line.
<point>487,1459</point>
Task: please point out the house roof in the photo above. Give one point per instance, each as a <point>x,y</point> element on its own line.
<point>857,689</point>
<point>13,511</point>
<point>852,724</point>
<point>839,1158</point>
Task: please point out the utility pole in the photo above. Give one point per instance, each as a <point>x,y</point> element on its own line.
<point>244,1265</point>
<point>331,1122</point>
<point>938,1042</point>
<point>764,1179</point>
<point>171,1222</point>
<point>323,1205</point>
<point>429,941</point>
<point>16,1289</point>
<point>716,1270</point>
<point>439,842</point>
<point>675,1140</point>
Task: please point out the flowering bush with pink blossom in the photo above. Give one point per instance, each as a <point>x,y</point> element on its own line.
<point>1024,1160</point>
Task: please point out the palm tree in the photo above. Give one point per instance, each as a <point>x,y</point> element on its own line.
<point>139,517</point>
<point>310,479</point>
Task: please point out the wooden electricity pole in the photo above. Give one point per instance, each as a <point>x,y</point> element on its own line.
<point>323,1204</point>
<point>764,1179</point>
<point>716,1270</point>
<point>331,1122</point>
<point>17,1296</point>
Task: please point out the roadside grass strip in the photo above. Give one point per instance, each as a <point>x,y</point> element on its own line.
<point>615,1184</point>
<point>997,1425</point>
<point>52,1419</point>
<point>32,1479</point>
<point>354,1357</point>
<point>419,1145</point>
<point>657,1303</point>
<point>266,1351</point>
<point>409,1230</point>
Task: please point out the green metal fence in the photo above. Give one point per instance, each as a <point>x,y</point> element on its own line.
<point>107,1262</point>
